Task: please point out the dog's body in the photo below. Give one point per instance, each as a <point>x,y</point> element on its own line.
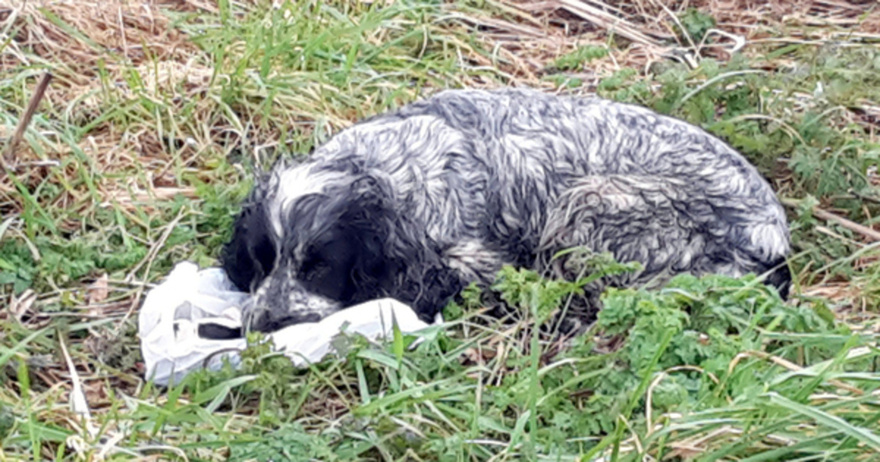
<point>417,203</point>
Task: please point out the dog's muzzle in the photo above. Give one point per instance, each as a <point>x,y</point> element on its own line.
<point>282,301</point>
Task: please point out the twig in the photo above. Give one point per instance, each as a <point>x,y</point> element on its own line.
<point>865,231</point>
<point>865,197</point>
<point>25,120</point>
<point>597,16</point>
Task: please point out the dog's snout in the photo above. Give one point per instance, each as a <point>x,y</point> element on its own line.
<point>282,301</point>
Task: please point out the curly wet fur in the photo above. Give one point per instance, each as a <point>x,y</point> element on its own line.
<point>417,203</point>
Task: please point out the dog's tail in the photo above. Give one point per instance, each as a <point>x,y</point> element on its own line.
<point>778,275</point>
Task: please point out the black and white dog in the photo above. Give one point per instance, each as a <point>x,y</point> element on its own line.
<point>418,203</point>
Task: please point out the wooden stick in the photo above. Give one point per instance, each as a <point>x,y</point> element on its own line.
<point>869,233</point>
<point>25,120</point>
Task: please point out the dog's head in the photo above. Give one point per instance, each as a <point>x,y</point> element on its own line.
<point>310,242</point>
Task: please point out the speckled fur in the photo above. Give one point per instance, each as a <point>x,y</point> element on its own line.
<point>417,203</point>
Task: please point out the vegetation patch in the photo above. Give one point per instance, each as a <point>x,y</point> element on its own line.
<point>160,112</point>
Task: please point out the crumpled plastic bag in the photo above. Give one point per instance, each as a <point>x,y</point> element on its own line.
<point>173,312</point>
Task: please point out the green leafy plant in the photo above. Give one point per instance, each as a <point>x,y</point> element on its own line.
<point>696,24</point>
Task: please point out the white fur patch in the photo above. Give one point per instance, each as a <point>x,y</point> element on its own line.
<point>293,184</point>
<point>771,239</point>
<point>473,260</point>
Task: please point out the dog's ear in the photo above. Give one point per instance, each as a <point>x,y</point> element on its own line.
<point>357,253</point>
<point>396,253</point>
<point>372,250</point>
<point>369,220</point>
<point>250,255</point>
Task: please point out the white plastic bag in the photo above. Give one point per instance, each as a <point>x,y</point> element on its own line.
<point>172,312</point>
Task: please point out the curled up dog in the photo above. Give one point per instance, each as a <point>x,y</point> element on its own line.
<point>417,203</point>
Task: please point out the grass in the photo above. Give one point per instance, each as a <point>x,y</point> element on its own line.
<point>148,137</point>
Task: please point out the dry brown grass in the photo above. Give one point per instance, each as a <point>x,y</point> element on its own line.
<point>82,33</point>
<point>90,48</point>
<point>650,25</point>
<point>76,39</point>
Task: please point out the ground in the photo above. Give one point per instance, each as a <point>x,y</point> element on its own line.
<point>159,112</point>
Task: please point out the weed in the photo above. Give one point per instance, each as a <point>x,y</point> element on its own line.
<point>696,24</point>
<point>581,56</point>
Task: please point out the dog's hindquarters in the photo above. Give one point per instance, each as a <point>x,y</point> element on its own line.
<point>667,225</point>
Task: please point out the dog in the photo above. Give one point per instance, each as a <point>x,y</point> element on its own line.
<point>417,203</point>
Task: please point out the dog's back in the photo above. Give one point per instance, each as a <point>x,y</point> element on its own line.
<point>492,166</point>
